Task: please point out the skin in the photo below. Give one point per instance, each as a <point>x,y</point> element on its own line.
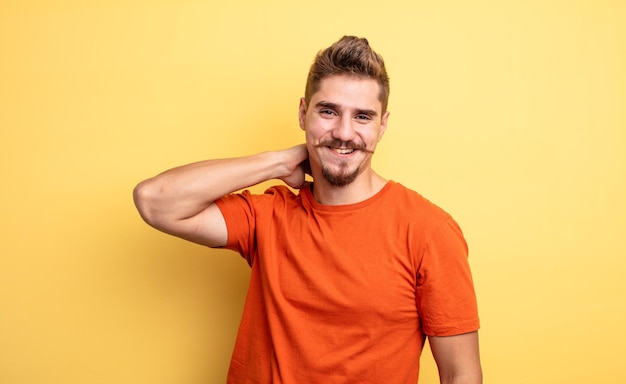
<point>344,114</point>
<point>457,358</point>
<point>343,123</point>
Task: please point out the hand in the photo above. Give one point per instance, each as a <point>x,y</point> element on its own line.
<point>297,161</point>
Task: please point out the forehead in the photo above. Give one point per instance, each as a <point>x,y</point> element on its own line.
<point>349,91</point>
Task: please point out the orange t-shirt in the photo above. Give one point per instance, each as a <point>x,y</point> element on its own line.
<point>345,294</point>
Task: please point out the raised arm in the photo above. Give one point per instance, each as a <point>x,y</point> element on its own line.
<point>180,201</point>
<point>457,358</point>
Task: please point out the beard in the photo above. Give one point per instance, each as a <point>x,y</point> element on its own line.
<point>340,178</point>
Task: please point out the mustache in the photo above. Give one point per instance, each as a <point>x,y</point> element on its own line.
<point>335,143</point>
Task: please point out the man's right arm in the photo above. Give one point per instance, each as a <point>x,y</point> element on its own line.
<point>180,201</point>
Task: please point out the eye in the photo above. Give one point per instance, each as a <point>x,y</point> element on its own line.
<point>328,112</point>
<point>363,117</point>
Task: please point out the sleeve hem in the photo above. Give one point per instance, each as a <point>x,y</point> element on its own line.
<point>453,329</point>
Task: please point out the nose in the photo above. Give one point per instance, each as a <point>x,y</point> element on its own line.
<point>344,129</point>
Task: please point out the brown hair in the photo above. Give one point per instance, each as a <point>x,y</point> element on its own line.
<point>351,56</point>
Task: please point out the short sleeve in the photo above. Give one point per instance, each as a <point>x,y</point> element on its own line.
<point>239,215</point>
<point>446,300</point>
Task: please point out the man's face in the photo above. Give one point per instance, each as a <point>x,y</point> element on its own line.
<point>343,122</point>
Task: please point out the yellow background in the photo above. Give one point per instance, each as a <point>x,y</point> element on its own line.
<point>509,114</point>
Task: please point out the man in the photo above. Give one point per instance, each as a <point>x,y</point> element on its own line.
<point>351,272</point>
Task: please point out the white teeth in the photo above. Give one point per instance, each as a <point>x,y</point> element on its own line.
<point>343,151</point>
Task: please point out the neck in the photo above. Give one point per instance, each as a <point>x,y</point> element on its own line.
<point>364,187</point>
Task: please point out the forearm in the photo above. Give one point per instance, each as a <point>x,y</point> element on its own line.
<point>185,191</point>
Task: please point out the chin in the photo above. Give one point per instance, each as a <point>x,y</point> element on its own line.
<point>339,179</point>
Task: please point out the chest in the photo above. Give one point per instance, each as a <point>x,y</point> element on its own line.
<point>362,269</point>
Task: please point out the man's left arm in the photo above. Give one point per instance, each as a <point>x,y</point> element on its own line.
<point>457,358</point>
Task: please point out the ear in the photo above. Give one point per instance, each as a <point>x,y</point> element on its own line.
<point>302,112</point>
<point>383,125</point>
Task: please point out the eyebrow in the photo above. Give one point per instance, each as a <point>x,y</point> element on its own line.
<point>328,104</point>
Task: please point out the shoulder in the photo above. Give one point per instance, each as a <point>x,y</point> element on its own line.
<point>413,203</point>
<point>424,220</point>
<point>280,191</point>
<point>274,195</point>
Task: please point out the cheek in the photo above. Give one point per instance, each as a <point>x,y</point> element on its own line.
<point>311,137</point>
<point>371,139</point>
<point>317,128</point>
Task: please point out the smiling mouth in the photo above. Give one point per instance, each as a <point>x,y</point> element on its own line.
<point>342,151</point>
<point>343,147</point>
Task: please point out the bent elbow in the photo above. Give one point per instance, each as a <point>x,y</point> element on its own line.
<point>144,197</point>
